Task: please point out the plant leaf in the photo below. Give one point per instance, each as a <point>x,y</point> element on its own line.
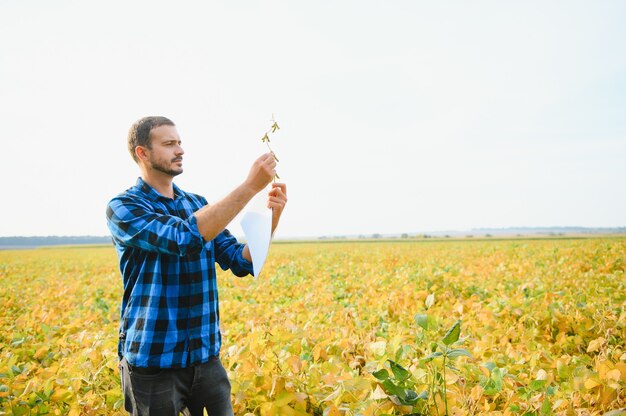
<point>618,412</point>
<point>430,301</point>
<point>422,320</point>
<point>537,384</point>
<point>381,374</point>
<point>490,366</point>
<point>457,352</point>
<point>453,333</point>
<point>393,389</point>
<point>433,356</point>
<point>400,373</point>
<point>410,397</point>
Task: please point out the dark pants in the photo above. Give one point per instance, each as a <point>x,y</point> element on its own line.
<point>167,392</point>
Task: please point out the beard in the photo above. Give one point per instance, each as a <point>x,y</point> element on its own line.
<point>165,167</point>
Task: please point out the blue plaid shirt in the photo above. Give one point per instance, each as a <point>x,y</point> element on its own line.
<point>170,313</point>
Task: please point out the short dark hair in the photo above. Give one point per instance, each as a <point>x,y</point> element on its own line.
<point>139,134</point>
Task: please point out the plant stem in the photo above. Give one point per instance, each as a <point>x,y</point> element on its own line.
<point>434,393</point>
<point>272,152</point>
<point>445,391</point>
<point>267,143</point>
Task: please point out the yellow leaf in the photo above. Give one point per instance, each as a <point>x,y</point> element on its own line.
<point>590,383</point>
<point>332,410</point>
<point>295,363</point>
<point>332,396</point>
<point>451,378</point>
<point>421,295</point>
<point>477,392</point>
<point>560,404</point>
<point>419,373</point>
<point>613,375</point>
<point>603,367</point>
<point>377,348</point>
<point>41,352</point>
<point>596,344</point>
<point>283,399</point>
<point>60,395</point>
<point>319,352</point>
<point>621,366</point>
<point>267,409</point>
<point>378,394</point>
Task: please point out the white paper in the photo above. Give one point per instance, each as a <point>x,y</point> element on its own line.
<point>257,228</point>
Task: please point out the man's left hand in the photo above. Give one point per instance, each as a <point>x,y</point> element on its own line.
<point>277,199</point>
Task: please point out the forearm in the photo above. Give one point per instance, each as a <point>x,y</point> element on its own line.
<point>213,219</point>
<point>245,253</point>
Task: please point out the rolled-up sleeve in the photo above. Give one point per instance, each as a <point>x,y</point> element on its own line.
<point>135,224</point>
<point>228,254</point>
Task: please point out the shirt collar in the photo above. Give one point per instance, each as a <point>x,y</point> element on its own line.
<point>153,194</point>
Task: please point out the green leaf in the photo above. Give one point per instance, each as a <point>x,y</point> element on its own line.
<point>457,352</point>
<point>410,397</point>
<point>537,384</point>
<point>427,322</point>
<point>381,374</point>
<point>402,351</point>
<point>400,373</point>
<point>453,334</point>
<point>453,368</point>
<point>490,366</point>
<point>491,391</point>
<point>433,356</point>
<point>392,389</point>
<point>22,410</point>
<point>546,407</point>
<point>422,320</point>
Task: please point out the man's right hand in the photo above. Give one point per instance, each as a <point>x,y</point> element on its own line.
<point>261,173</point>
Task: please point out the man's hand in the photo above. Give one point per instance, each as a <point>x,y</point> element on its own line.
<point>261,173</point>
<point>277,199</point>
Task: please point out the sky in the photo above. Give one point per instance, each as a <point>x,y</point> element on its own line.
<point>396,116</point>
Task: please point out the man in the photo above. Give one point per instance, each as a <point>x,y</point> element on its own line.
<point>168,241</point>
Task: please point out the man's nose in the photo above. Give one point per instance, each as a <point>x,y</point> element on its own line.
<point>179,151</point>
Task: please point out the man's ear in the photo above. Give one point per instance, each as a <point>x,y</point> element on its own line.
<point>141,153</point>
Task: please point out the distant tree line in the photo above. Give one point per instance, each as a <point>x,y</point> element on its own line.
<point>53,240</point>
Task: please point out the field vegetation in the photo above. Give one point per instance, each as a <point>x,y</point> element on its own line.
<point>502,327</point>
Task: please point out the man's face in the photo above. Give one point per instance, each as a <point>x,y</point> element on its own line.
<point>165,155</point>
